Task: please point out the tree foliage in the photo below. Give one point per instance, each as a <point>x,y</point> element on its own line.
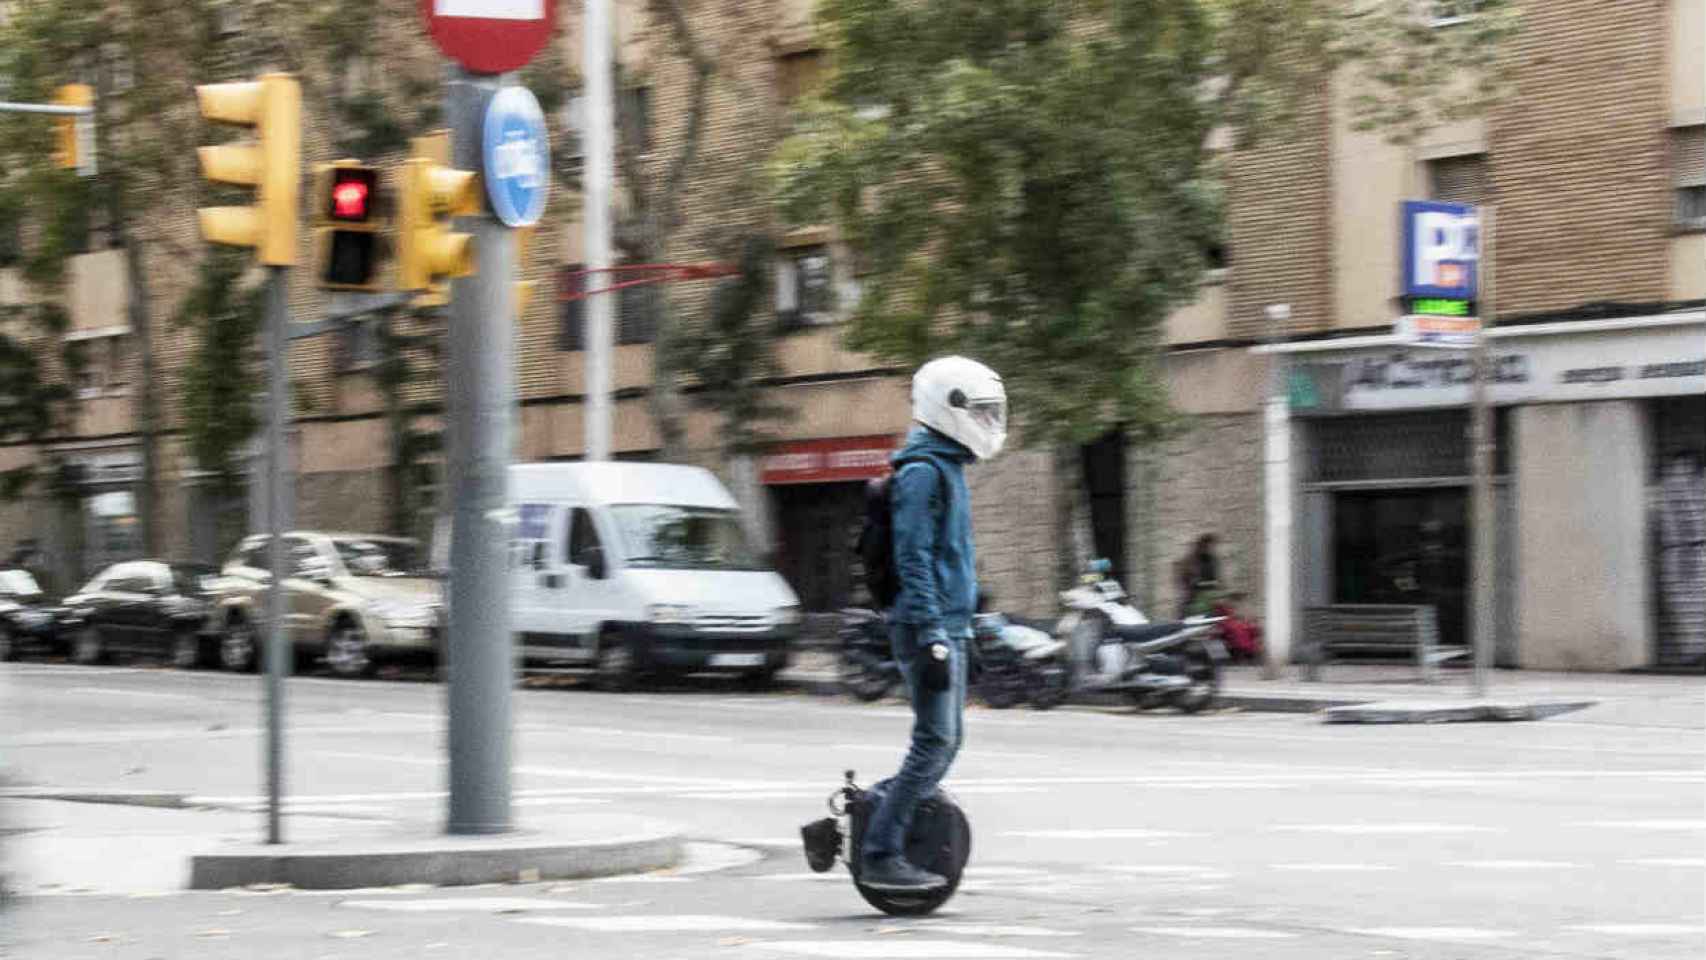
<point>219,413</point>
<point>1036,182</point>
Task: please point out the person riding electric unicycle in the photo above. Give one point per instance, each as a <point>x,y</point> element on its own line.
<point>909,841</point>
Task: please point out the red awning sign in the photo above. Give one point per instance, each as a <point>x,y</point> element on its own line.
<point>831,460</point>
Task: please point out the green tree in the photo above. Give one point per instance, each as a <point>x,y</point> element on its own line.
<point>1033,182</point>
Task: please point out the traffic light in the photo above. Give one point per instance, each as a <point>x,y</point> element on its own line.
<point>272,164</point>
<point>429,193</point>
<point>349,226</point>
<point>74,147</point>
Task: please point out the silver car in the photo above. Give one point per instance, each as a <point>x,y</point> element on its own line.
<point>351,601</point>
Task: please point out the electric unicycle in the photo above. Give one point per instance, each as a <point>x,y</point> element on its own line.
<point>939,841</point>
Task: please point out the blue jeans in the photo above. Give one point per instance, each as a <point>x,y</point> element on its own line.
<point>938,729</point>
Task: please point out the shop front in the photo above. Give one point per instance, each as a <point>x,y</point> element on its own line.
<point>817,494</point>
<point>1599,494</point>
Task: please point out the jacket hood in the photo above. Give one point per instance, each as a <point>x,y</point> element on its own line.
<point>922,440</point>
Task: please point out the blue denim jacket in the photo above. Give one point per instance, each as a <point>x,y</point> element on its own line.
<point>934,558</point>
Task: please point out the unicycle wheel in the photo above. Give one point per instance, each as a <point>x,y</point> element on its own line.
<point>939,841</point>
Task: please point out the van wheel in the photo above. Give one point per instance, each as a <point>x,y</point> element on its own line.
<point>346,651</point>
<point>8,644</point>
<point>618,669</point>
<point>89,647</point>
<point>238,651</point>
<point>186,650</point>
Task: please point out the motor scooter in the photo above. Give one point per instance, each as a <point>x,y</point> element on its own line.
<point>1018,663</point>
<point>1116,649</point>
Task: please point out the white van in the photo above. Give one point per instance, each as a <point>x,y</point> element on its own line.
<point>638,569</point>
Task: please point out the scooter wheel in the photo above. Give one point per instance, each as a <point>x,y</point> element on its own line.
<point>939,841</point>
<point>1205,683</point>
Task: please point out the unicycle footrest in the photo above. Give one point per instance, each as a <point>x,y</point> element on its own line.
<point>822,839</point>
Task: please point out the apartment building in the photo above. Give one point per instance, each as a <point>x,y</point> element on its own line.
<point>1597,170</point>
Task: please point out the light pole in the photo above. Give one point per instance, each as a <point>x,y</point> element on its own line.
<point>1276,494</point>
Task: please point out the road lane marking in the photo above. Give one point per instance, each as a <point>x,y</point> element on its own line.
<point>1379,828</point>
<point>905,950</point>
<point>1640,929</point>
<point>666,923</point>
<point>834,876</point>
<point>1644,824</point>
<point>1117,833</point>
<point>1691,863</point>
<point>149,694</point>
<point>1432,933</point>
<point>1333,867</point>
<point>1166,870</point>
<point>995,930</point>
<point>1216,933</point>
<point>470,905</point>
<point>1515,864</point>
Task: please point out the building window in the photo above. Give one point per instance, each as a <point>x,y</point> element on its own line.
<point>571,282</point>
<point>103,364</point>
<point>357,345</point>
<point>1445,13</point>
<point>634,112</point>
<point>635,317</point>
<point>798,75</point>
<point>1688,165</point>
<point>1458,179</point>
<point>805,287</point>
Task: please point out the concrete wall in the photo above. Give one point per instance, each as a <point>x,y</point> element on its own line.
<point>1013,514</point>
<point>1688,267</point>
<point>1581,536</point>
<point>1687,61</point>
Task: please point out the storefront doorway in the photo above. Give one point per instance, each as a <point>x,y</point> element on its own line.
<point>817,490</point>
<point>1405,546</point>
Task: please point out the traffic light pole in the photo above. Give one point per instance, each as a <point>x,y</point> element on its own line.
<point>480,425</point>
<point>279,500</point>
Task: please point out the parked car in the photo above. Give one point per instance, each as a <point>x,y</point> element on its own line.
<point>351,600</point>
<point>27,617</point>
<point>144,607</point>
<point>637,569</point>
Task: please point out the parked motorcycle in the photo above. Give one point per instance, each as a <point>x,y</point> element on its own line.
<point>867,668</point>
<point>1116,649</point>
<point>1018,663</point>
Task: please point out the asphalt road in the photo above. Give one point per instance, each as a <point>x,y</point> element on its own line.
<point>1098,833</point>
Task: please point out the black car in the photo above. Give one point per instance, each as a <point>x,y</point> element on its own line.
<point>146,607</point>
<point>27,619</point>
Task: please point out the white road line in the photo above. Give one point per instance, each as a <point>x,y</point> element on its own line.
<point>1644,824</point>
<point>834,876</point>
<point>1216,933</point>
<point>995,930</point>
<point>751,795</point>
<point>1690,863</point>
<point>1333,867</point>
<point>150,694</point>
<point>1166,870</point>
<point>1515,864</point>
<point>1378,828</point>
<point>763,841</point>
<point>677,923</point>
<point>1432,933</point>
<point>470,905</point>
<point>643,878</point>
<point>1118,833</point>
<point>904,950</point>
<point>1641,929</point>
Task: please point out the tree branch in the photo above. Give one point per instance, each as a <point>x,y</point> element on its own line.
<point>703,67</point>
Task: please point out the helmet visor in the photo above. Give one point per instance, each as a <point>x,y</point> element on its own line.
<point>991,415</point>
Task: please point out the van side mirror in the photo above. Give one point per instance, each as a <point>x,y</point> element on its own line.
<point>595,565</point>
<point>537,557</point>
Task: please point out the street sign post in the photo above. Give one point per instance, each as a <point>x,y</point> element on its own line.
<point>490,36</point>
<point>517,154</point>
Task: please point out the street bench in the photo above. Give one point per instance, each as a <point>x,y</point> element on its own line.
<point>1389,631</point>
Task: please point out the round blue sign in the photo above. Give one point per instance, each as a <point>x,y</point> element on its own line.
<point>517,156</point>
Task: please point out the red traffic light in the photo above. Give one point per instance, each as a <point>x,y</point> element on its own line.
<point>352,194</point>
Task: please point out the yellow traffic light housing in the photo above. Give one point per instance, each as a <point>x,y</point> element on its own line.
<point>74,147</point>
<point>429,193</point>
<point>272,164</point>
<point>349,226</point>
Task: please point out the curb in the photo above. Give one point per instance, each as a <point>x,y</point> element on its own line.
<point>461,861</point>
<point>826,685</point>
<point>1452,712</point>
<point>126,798</point>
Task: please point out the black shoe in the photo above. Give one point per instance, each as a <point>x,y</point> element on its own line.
<point>898,875</point>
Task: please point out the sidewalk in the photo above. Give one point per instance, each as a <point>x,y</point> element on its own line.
<point>1372,693</point>
<point>65,846</point>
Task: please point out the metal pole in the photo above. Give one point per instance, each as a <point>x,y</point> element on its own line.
<point>1483,442</point>
<point>600,166</point>
<point>1276,494</point>
<point>480,426</point>
<point>11,107</point>
<point>279,495</point>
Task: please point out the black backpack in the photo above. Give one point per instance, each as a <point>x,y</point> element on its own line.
<point>875,543</point>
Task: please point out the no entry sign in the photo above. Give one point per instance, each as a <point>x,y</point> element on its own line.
<point>490,36</point>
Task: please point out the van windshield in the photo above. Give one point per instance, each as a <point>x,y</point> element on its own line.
<point>683,538</point>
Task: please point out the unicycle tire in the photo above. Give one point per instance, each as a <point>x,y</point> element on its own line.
<point>939,841</point>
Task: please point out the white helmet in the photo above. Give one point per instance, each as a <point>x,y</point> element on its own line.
<point>964,400</point>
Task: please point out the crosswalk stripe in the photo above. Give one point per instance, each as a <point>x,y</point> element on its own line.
<point>469,905</point>
<point>666,923</point>
<point>905,950</point>
<point>1641,929</point>
<point>1432,933</point>
<point>1216,933</point>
